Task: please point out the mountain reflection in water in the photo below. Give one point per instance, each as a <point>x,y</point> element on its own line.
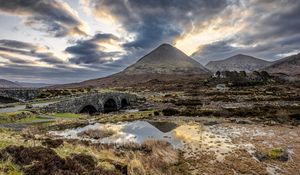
<point>125,132</point>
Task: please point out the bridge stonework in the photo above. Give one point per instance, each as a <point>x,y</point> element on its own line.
<point>96,100</point>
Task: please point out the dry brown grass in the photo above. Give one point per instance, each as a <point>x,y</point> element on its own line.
<point>96,133</point>
<point>155,157</point>
<point>151,157</point>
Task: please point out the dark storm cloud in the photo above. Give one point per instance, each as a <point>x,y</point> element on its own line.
<point>155,21</point>
<point>272,30</point>
<point>17,44</point>
<point>269,51</point>
<point>91,51</point>
<point>51,16</point>
<point>13,59</point>
<point>20,69</point>
<point>26,49</point>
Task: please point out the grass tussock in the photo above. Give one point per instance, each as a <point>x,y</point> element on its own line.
<point>97,133</point>
<point>7,167</point>
<point>45,161</point>
<point>151,157</point>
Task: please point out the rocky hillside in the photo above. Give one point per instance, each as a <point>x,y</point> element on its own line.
<point>32,85</point>
<point>289,65</point>
<point>238,63</point>
<point>8,84</point>
<point>166,59</point>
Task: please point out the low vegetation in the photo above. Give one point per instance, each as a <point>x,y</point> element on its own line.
<point>103,118</point>
<point>67,115</point>
<point>48,156</point>
<point>18,117</point>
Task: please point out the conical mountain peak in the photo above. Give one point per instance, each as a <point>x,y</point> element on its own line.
<point>166,59</point>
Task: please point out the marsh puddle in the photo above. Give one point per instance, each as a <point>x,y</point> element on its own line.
<point>126,132</point>
<point>192,138</point>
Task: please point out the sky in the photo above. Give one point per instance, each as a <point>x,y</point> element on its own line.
<point>64,41</point>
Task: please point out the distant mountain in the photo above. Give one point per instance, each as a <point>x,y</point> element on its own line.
<point>289,65</point>
<point>162,64</point>
<point>8,84</point>
<point>32,85</point>
<point>166,59</point>
<point>238,63</point>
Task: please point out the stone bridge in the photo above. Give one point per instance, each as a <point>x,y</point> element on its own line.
<point>94,103</point>
<point>17,95</point>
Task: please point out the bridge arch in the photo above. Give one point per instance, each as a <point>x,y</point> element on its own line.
<point>110,105</point>
<point>124,103</point>
<point>88,109</point>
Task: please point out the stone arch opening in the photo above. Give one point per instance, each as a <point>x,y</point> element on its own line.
<point>88,109</point>
<point>124,103</point>
<point>110,105</point>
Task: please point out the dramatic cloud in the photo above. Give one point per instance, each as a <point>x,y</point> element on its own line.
<point>152,22</point>
<point>51,16</point>
<point>21,61</point>
<point>22,52</point>
<point>100,49</point>
<point>122,31</point>
<point>271,30</point>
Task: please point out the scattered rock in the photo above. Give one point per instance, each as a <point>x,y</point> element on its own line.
<point>210,123</point>
<point>260,156</point>
<point>243,122</point>
<point>28,106</point>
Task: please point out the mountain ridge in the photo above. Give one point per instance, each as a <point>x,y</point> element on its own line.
<point>8,84</point>
<point>289,65</point>
<point>239,62</point>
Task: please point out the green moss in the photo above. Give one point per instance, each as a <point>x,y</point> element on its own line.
<point>66,115</point>
<point>275,153</point>
<point>29,119</point>
<point>19,116</point>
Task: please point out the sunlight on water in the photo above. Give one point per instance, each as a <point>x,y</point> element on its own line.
<point>192,138</point>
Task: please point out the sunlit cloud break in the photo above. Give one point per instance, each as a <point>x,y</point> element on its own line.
<point>85,39</point>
